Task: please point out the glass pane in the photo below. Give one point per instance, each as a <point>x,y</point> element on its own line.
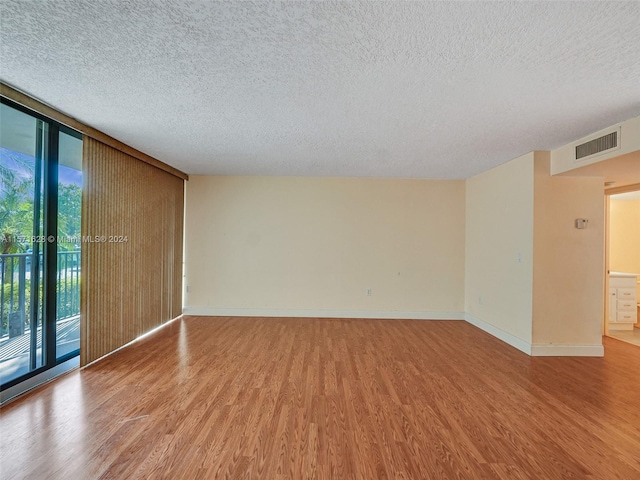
<point>22,143</point>
<point>69,243</point>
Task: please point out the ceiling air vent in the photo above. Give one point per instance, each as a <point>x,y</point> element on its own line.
<point>599,145</point>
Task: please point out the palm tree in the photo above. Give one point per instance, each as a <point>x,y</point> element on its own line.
<point>16,208</point>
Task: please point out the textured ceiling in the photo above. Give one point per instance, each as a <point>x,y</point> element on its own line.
<point>384,89</point>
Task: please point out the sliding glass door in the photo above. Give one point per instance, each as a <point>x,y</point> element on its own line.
<point>68,245</point>
<point>23,140</point>
<point>40,198</point>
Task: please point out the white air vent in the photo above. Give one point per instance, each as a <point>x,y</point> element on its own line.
<point>597,146</point>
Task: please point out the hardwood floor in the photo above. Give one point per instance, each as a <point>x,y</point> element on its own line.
<point>329,398</point>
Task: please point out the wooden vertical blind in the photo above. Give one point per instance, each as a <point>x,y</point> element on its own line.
<point>132,269</point>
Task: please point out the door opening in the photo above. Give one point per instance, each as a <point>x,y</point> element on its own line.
<point>622,260</point>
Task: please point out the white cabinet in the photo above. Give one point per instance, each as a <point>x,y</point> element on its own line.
<point>623,301</point>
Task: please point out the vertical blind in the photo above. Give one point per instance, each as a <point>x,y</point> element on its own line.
<point>132,220</point>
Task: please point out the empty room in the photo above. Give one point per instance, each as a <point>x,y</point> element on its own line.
<point>319,239</point>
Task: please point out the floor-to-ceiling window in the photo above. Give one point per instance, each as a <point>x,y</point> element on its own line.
<point>40,205</point>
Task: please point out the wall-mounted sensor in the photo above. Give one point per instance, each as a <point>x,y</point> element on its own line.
<point>581,223</point>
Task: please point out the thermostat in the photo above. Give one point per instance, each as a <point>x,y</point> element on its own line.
<point>581,223</point>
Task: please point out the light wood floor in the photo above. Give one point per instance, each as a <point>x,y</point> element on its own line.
<point>324,398</point>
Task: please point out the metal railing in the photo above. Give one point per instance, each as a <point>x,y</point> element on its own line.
<point>16,295</point>
<point>68,285</point>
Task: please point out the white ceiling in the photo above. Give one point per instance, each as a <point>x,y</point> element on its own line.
<point>383,89</point>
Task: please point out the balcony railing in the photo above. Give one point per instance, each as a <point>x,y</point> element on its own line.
<point>17,298</point>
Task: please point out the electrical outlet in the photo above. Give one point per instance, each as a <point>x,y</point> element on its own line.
<point>188,288</point>
<point>368,292</point>
<point>480,299</point>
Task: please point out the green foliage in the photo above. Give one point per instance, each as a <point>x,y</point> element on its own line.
<point>16,212</point>
<point>69,212</point>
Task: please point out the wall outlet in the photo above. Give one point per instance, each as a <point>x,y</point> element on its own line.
<point>188,288</point>
<point>368,292</point>
<point>480,299</point>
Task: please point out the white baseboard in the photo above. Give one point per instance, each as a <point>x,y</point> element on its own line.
<point>553,350</point>
<point>620,327</point>
<point>536,350</point>
<point>320,313</point>
<point>500,334</point>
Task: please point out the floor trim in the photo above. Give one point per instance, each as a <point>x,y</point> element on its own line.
<point>320,313</point>
<point>500,334</point>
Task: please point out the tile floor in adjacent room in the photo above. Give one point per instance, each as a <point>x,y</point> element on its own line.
<point>629,336</point>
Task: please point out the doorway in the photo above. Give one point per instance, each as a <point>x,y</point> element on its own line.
<point>623,264</point>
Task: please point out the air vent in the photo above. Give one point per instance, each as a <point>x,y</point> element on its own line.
<point>597,145</point>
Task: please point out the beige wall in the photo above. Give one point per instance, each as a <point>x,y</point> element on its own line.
<point>624,225</point>
<point>568,262</point>
<point>624,237</point>
<point>287,245</point>
<point>499,248</point>
<point>532,278</point>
